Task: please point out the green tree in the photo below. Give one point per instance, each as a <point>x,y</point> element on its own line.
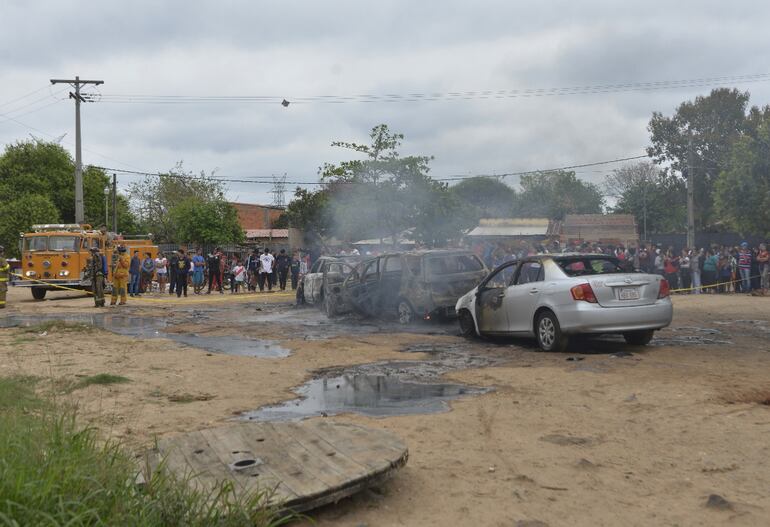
<point>709,125</point>
<point>553,195</point>
<point>309,212</point>
<point>483,197</point>
<point>154,197</point>
<point>19,214</point>
<point>742,190</point>
<point>385,194</point>
<point>206,222</point>
<point>657,199</point>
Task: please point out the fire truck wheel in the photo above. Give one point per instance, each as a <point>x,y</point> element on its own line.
<point>38,293</point>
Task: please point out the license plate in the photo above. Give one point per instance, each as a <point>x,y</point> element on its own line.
<point>629,293</point>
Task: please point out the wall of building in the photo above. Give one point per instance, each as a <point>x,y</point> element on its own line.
<point>256,216</point>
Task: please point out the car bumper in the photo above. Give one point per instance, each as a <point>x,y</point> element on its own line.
<point>48,283</point>
<point>593,318</point>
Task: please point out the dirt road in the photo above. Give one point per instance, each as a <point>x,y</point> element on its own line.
<point>595,436</point>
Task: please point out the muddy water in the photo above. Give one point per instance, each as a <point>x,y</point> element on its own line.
<point>373,395</point>
<point>154,327</point>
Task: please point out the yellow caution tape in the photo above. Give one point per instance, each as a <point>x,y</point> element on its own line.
<point>222,298</point>
<point>680,290</point>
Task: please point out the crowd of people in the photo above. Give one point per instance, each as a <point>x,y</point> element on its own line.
<point>177,272</point>
<point>713,269</point>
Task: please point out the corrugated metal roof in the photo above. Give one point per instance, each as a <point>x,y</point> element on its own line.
<point>517,230</point>
<point>267,233</point>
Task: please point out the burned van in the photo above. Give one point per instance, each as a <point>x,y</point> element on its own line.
<point>410,285</point>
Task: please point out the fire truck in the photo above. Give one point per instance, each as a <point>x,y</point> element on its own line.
<point>56,255</point>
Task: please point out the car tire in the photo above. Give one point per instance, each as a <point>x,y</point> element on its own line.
<point>639,338</point>
<point>467,326</point>
<point>405,312</point>
<point>38,293</point>
<point>548,333</point>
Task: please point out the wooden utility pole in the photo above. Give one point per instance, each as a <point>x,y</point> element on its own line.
<point>76,83</point>
<point>114,203</point>
<point>690,196</point>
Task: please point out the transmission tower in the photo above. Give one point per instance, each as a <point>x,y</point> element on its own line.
<point>279,190</point>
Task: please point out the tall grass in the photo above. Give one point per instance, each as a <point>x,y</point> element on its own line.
<point>55,473</point>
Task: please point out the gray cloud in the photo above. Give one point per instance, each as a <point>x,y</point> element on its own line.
<point>293,49</point>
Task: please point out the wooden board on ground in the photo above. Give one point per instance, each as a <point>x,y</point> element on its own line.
<point>304,465</point>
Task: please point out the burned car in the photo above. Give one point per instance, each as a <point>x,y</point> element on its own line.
<point>408,285</point>
<point>326,272</point>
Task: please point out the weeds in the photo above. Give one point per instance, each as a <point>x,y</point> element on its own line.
<point>53,472</point>
<point>57,325</point>
<point>100,379</point>
<point>760,396</point>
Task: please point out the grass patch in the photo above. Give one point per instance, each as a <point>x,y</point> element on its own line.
<point>190,397</point>
<point>51,326</point>
<point>100,379</point>
<point>55,472</point>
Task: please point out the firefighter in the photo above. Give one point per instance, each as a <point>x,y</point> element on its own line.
<point>120,277</point>
<point>4,274</point>
<point>96,270</point>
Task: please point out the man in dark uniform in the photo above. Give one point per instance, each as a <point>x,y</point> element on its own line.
<point>4,275</point>
<point>282,263</point>
<point>96,270</point>
<point>213,264</point>
<point>173,262</point>
<point>182,269</point>
<point>294,268</point>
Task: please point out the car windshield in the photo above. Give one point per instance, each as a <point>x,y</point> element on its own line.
<point>63,243</point>
<point>589,266</point>
<point>453,264</point>
<point>36,243</point>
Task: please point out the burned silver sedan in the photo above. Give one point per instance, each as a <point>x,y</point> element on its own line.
<point>409,285</point>
<point>552,297</point>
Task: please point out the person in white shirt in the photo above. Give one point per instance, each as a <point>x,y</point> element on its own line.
<point>266,271</point>
<point>161,272</point>
<point>239,276</point>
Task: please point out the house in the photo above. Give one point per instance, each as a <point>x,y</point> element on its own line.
<point>513,229</point>
<point>607,229</point>
<point>252,216</point>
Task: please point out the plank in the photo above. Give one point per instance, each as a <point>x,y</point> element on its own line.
<point>319,446</point>
<point>377,451</point>
<point>223,443</point>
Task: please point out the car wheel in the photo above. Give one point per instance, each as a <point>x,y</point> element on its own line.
<point>405,312</point>
<point>549,335</point>
<point>639,338</point>
<point>38,293</point>
<point>467,327</point>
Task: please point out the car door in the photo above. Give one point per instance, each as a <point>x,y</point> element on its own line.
<point>313,282</point>
<point>490,314</point>
<point>362,292</point>
<point>522,296</point>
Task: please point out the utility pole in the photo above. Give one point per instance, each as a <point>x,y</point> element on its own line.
<point>76,83</point>
<point>690,196</point>
<point>114,203</point>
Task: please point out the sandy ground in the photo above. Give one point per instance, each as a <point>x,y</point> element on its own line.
<point>639,440</point>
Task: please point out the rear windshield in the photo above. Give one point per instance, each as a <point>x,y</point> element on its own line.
<point>453,264</point>
<point>589,266</point>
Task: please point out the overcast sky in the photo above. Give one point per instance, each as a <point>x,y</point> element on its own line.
<point>296,49</point>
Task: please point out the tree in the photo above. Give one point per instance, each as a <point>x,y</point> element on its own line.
<point>385,194</point>
<point>19,214</point>
<point>709,125</point>
<point>309,212</point>
<point>655,198</point>
<point>205,222</point>
<point>742,190</point>
<point>553,195</point>
<point>155,196</point>
<point>483,197</point>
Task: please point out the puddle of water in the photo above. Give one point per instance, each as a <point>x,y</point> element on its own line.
<point>373,395</point>
<point>149,327</point>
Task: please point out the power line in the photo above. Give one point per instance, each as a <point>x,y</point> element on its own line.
<point>428,96</point>
<point>322,183</point>
<point>23,96</point>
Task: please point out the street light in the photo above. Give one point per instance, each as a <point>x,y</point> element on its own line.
<point>106,205</point>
